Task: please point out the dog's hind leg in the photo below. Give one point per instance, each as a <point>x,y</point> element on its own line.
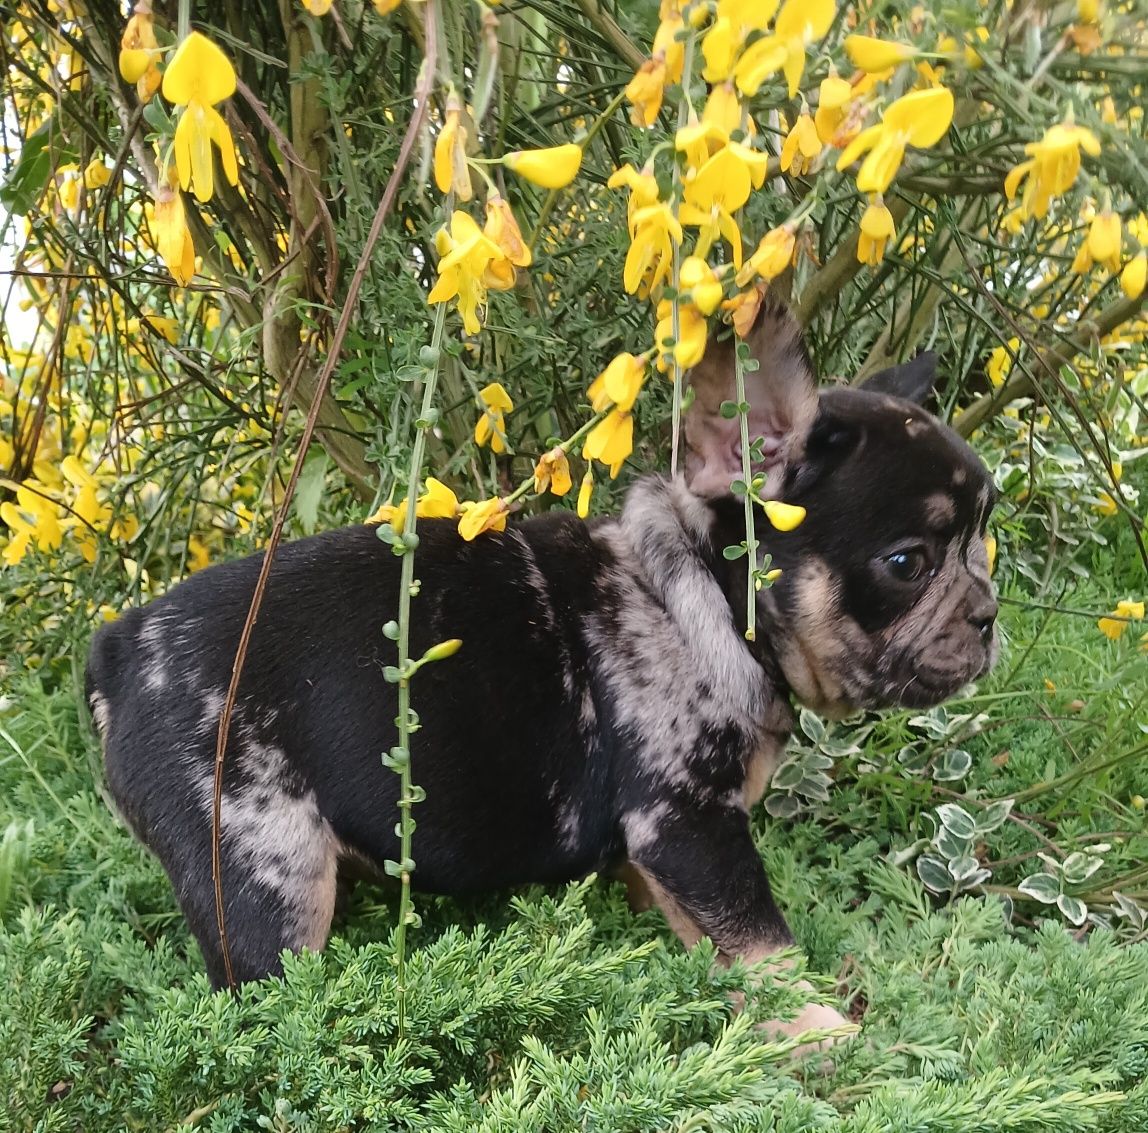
<point>278,872</point>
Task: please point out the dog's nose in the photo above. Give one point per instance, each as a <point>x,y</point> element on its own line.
<point>983,618</point>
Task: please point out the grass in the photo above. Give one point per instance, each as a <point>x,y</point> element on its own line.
<point>561,1009</point>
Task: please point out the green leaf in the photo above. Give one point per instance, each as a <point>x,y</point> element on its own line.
<point>955,764</point>
<point>934,873</point>
<point>25,184</point>
<point>1042,887</point>
<point>1073,908</point>
<point>993,816</point>
<point>957,819</point>
<point>309,493</point>
<point>734,552</point>
<point>728,409</point>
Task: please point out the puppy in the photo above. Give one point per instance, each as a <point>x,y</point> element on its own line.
<point>605,711</point>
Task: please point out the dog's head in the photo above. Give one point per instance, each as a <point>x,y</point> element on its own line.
<point>884,596</point>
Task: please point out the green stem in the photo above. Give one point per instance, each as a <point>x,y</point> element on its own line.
<point>407,578</point>
<point>183,21</point>
<point>751,543</point>
<point>1078,773</point>
<point>685,109</point>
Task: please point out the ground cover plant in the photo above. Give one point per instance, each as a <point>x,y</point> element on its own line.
<point>285,266</point>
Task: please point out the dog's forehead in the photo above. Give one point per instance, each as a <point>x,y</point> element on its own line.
<point>909,452</point>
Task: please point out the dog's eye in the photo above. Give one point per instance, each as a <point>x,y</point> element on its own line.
<point>907,566</point>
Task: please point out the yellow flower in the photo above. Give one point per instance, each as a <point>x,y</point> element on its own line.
<point>1088,11</point>
<point>450,168</point>
<point>877,229</point>
<point>97,174</point>
<point>1000,362</point>
<point>699,141</point>
<point>991,552</point>
<point>198,76</point>
<point>834,95</point>
<point>584,490</point>
<point>552,168</point>
<point>799,23</point>
<point>553,471</point>
<point>489,515</point>
<point>618,384</point>
<point>645,92</point>
<point>471,262</point>
<point>611,440</point>
<point>690,346</point>
<point>491,425</point>
<point>1104,239</point>
<point>774,254</point>
<point>172,236</point>
<point>701,282</point>
<point>643,188</point>
<point>1082,261</point>
<point>873,55</point>
<point>1052,167</point>
<point>722,109</point>
<point>503,229</point>
<point>920,118</point>
<point>1134,276</point>
<point>1116,623</point>
<point>802,145</point>
<point>437,502</point>
<point>1105,504</point>
<point>741,310</point>
<point>139,52</point>
<point>198,556</point>
<point>785,517</point>
<point>317,7</point>
<point>654,230</point>
<point>386,7</point>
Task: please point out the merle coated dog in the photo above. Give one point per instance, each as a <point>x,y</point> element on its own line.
<point>605,712</point>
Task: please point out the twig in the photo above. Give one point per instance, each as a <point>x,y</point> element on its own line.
<point>420,103</point>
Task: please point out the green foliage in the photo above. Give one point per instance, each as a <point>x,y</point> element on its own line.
<point>562,1009</point>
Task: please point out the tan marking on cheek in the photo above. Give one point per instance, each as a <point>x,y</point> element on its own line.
<point>638,894</point>
<point>940,509</point>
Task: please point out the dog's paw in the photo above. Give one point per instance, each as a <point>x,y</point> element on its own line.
<point>813,1017</point>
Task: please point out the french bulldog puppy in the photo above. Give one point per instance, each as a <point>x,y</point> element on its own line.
<point>605,711</point>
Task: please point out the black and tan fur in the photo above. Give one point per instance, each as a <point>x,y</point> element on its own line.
<point>605,711</point>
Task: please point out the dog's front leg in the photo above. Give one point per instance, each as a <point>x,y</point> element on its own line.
<point>702,868</point>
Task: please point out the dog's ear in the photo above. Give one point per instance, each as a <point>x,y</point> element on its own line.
<point>782,396</point>
<point>912,381</point>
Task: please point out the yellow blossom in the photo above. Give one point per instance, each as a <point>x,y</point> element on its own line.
<point>96,174</point>
<point>489,515</point>
<point>741,311</point>
<point>722,109</point>
<point>198,556</point>
<point>799,23</point>
<point>1104,240</point>
<point>1105,504</point>
<point>701,282</point>
<point>552,168</point>
<point>619,383</point>
<point>1000,362</point>
<point>611,440</point>
<point>172,236</point>
<point>450,168</point>
<point>784,517</point>
<point>802,145</point>
<point>643,187</point>
<point>584,491</point>
<point>437,502</point>
<point>386,7</point>
<point>920,118</point>
<point>1134,276</point>
<point>503,229</point>
<point>774,254</point>
<point>139,52</point>
<point>872,55</point>
<point>654,230</point>
<point>317,7</point>
<point>645,92</point>
<point>699,141</point>
<point>690,345</point>
<point>471,262</point>
<point>491,426</point>
<point>198,76</point>
<point>991,552</point>
<point>1116,623</point>
<point>1052,167</point>
<point>877,229</point>
<point>553,471</point>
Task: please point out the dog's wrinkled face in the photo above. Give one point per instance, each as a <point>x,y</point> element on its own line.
<point>885,597</point>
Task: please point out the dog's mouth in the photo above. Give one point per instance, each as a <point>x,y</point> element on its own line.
<point>925,686</point>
